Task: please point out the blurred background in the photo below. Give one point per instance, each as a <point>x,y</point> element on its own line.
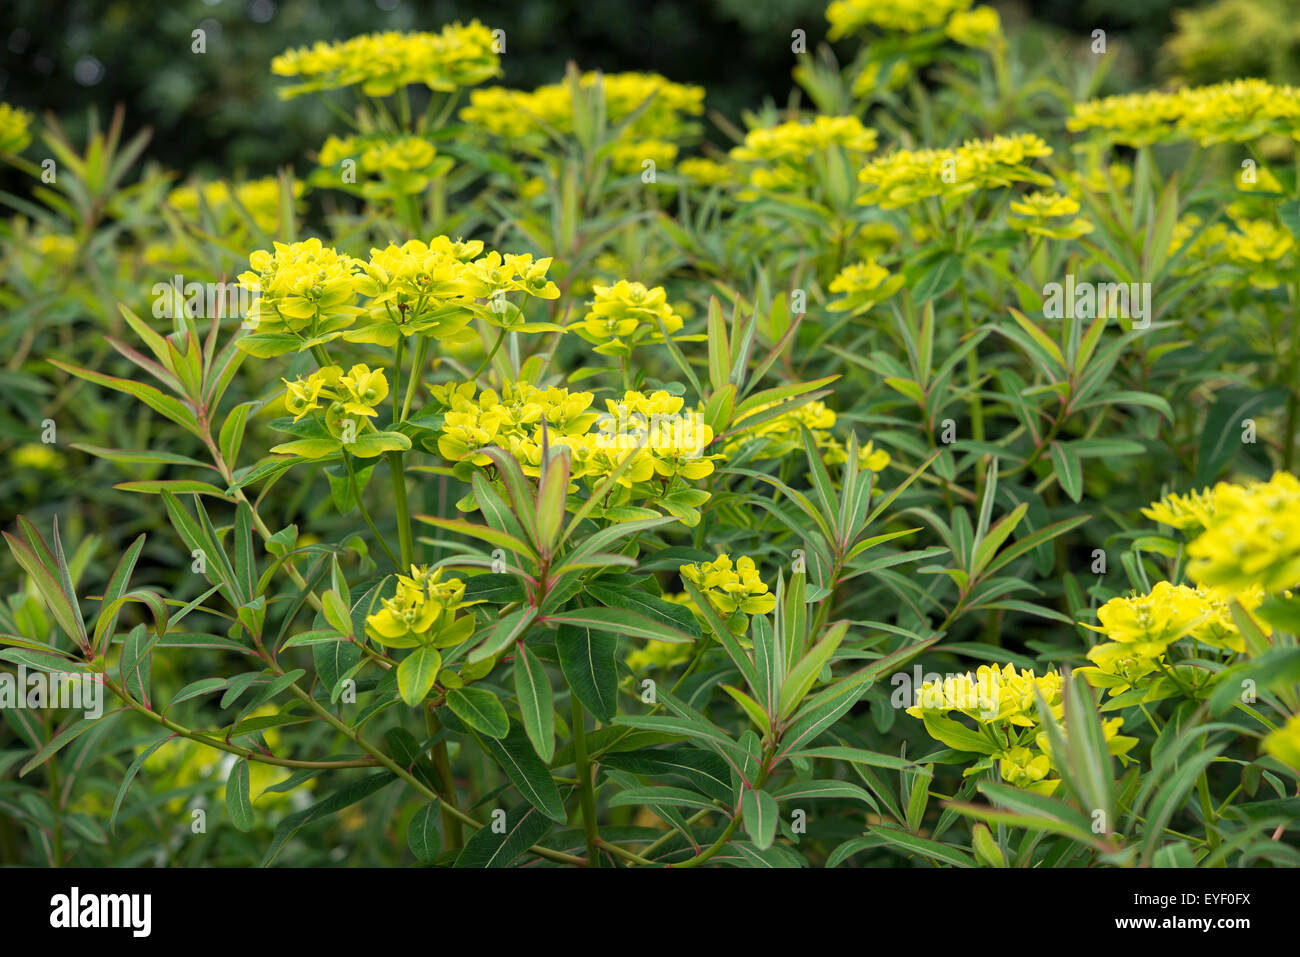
<point>218,112</point>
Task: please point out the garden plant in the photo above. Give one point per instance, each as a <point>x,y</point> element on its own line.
<point>525,479</point>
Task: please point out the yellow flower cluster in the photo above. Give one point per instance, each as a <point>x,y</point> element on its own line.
<point>1048,214</point>
<point>731,588</point>
<point>705,172</point>
<point>907,16</point>
<point>1251,537</point>
<point>346,403</point>
<point>260,197</point>
<point>904,177</point>
<point>628,157</point>
<point>1140,629</point>
<point>1284,743</point>
<point>1236,111</point>
<point>307,293</point>
<point>980,28</point>
<point>403,165</point>
<point>14,134</point>
<point>625,315</point>
<point>382,63</point>
<point>664,441</point>
<point>779,157</point>
<point>422,612</point>
<point>1002,702</point>
<point>515,114</point>
<point>861,286</point>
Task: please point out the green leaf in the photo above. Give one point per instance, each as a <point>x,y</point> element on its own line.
<point>344,797</point>
<point>527,772</point>
<point>525,826</point>
<point>422,834</point>
<point>536,708</point>
<point>588,660</point>
<point>238,805</point>
<point>760,816</point>
<point>480,709</point>
<point>417,673</point>
<point>1069,472</point>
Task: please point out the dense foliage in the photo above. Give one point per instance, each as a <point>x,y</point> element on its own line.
<point>909,484</point>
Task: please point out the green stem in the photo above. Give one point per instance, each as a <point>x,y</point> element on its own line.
<point>586,794</point>
<point>442,765</point>
<point>417,369</point>
<point>404,541</point>
<point>365,513</point>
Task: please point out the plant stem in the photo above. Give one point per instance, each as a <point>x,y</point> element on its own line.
<point>365,513</point>
<point>405,544</point>
<point>586,794</point>
<point>442,764</point>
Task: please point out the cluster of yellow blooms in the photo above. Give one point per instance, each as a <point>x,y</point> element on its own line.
<point>422,612</point>
<point>1245,546</point>
<point>1003,704</point>
<point>1258,246</point>
<point>780,157</point>
<point>1249,534</point>
<point>259,197</point>
<point>1140,629</point>
<point>1231,112</point>
<point>307,293</point>
<point>861,286</point>
<point>731,588</point>
<point>665,441</point>
<point>907,16</point>
<point>703,171</point>
<point>14,135</point>
<point>1048,214</point>
<point>403,165</point>
<point>382,63</point>
<point>625,315</point>
<point>517,114</point>
<point>347,403</point>
<point>904,177</point>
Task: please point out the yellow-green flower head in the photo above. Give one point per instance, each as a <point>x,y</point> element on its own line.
<point>619,311</point>
<point>705,172</point>
<point>731,588</point>
<point>1151,623</point>
<point>260,197</point>
<point>1183,512</point>
<point>980,28</point>
<point>906,16</point>
<point>421,612</point>
<point>861,286</point>
<point>515,114</point>
<point>35,456</point>
<point>14,130</point>
<point>1256,245</point>
<point>628,158</point>
<point>1236,111</point>
<point>1048,214</point>
<point>1284,743</point>
<point>1252,538</point>
<point>304,288</point>
<point>906,176</point>
<point>992,694</point>
<point>1023,767</point>
<point>780,157</point>
<point>382,63</point>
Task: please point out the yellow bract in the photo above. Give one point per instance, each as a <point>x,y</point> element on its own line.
<point>382,63</point>
<point>731,588</point>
